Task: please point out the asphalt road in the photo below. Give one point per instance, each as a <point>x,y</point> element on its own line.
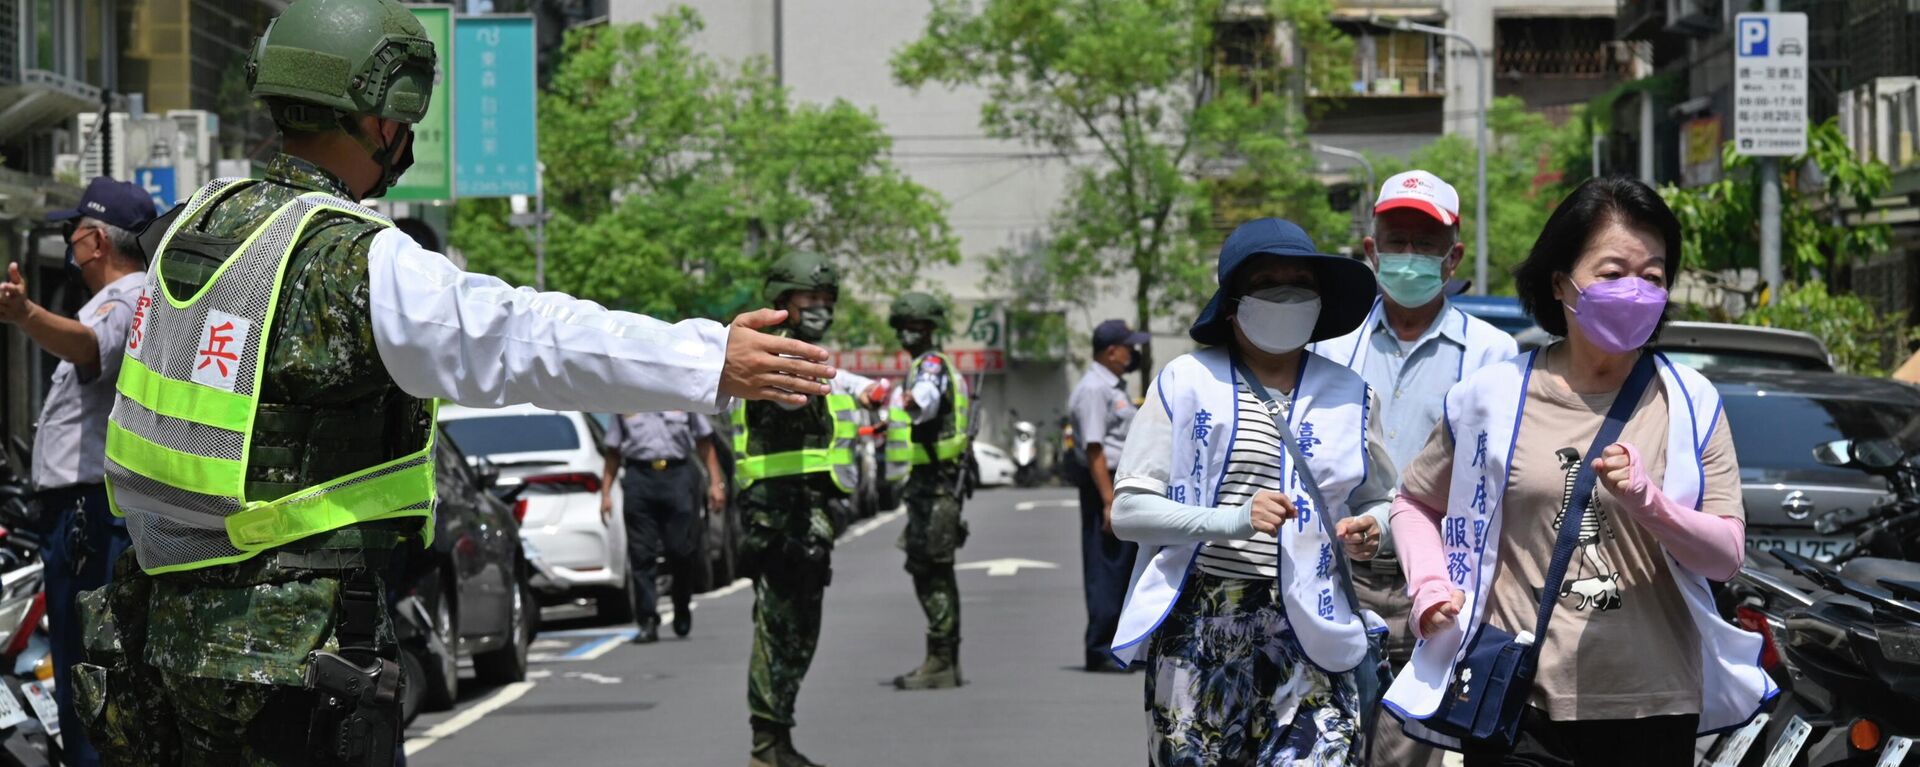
<point>594,699</point>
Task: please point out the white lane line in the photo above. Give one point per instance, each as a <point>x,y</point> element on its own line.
<point>873,524</point>
<point>446,729</point>
<point>605,646</point>
<point>1064,503</point>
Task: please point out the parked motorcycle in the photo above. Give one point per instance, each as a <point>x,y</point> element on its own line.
<point>29,720</point>
<point>1026,454</point>
<point>1842,638</point>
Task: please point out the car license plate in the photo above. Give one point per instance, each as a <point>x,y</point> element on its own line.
<point>41,699</point>
<point>1736,746</point>
<point>1897,747</point>
<point>1790,743</point>
<point>1810,546</point>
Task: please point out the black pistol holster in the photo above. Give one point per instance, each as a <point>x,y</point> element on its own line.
<point>356,717</point>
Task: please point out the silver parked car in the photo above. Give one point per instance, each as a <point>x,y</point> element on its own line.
<point>1778,417</point>
<point>1712,346</point>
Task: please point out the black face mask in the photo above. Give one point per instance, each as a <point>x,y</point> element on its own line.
<point>915,341</point>
<point>810,324</point>
<point>1134,357</point>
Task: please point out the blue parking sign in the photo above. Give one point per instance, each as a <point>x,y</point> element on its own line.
<point>495,147</point>
<point>1753,36</point>
<point>159,183</point>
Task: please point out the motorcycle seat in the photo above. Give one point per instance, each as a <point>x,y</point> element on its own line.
<point>1873,570</point>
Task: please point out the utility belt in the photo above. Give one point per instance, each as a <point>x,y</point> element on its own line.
<point>47,508</point>
<point>657,464</point>
<point>369,547</point>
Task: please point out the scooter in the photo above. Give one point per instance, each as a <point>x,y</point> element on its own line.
<point>1842,638</point>
<point>1026,454</point>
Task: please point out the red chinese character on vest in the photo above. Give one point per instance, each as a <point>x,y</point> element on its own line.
<point>215,353</point>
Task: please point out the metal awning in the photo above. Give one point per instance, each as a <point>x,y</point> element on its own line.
<point>43,99</point>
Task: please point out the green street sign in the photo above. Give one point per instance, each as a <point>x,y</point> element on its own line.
<point>431,177</point>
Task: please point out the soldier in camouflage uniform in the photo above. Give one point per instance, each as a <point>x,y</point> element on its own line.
<point>796,472</point>
<point>936,400</point>
<point>267,487</point>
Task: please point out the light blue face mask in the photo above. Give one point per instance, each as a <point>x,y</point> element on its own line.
<point>1410,279</point>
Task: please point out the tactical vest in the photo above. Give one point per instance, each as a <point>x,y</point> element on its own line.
<point>791,443</point>
<point>945,438</point>
<point>897,461</point>
<point>182,432</point>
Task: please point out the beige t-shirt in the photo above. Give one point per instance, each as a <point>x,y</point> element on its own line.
<point>1622,644</point>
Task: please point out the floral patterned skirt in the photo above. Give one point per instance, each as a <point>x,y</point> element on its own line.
<point>1227,684</point>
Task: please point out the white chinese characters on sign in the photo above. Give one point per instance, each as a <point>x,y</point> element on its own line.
<point>1770,84</point>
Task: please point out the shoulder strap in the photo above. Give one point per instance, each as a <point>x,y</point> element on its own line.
<point>1623,405</point>
<point>1307,480</point>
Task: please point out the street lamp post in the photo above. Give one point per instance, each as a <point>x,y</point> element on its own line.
<point>1366,194</point>
<point>1480,140</point>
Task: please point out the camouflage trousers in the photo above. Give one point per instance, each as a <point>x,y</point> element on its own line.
<point>935,532</point>
<point>788,551</point>
<point>206,666</point>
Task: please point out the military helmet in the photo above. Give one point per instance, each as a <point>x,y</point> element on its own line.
<point>324,58</point>
<point>918,306</point>
<point>801,270</point>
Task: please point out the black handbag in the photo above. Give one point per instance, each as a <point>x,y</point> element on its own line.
<point>1491,683</point>
<point>1373,675</point>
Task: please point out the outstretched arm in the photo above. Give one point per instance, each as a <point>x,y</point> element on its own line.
<point>475,340</point>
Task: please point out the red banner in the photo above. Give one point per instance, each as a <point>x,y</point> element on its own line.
<point>876,364</point>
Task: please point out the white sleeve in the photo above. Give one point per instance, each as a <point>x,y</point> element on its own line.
<point>475,340</point>
<point>852,384</point>
<point>1146,460</point>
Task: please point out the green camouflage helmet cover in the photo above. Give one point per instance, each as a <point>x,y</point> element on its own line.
<point>801,270</point>
<point>918,306</point>
<point>355,57</point>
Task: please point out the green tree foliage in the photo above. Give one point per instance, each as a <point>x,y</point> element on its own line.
<point>1863,339</point>
<point>1720,222</point>
<point>1166,143</point>
<point>1531,165</point>
<point>673,180</point>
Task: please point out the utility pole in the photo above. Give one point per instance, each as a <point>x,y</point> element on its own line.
<point>1480,142</point>
<point>1770,213</point>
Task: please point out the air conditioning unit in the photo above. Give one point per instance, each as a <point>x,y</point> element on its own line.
<point>1693,17</point>
<point>88,137</point>
<point>195,134</point>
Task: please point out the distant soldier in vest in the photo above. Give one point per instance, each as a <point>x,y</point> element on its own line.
<point>271,440</point>
<point>935,398</point>
<point>794,465</point>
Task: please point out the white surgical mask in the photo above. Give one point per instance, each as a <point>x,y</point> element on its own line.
<point>1279,320</point>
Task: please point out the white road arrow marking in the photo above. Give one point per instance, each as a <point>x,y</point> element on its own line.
<point>999,567</point>
<point>1067,503</point>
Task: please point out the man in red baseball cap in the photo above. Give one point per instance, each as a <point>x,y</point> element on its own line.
<point>1412,348</point>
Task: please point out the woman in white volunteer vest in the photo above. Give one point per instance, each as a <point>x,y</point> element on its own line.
<point>1636,660</point>
<point>1235,608</point>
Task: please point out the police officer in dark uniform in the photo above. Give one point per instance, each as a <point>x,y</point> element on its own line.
<point>662,505</point>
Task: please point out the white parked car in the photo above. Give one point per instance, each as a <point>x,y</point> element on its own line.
<point>557,455</point>
<point>996,467</point>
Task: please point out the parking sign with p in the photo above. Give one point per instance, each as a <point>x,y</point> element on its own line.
<point>1753,37</point>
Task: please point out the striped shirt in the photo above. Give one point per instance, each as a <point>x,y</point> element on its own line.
<point>1253,464</point>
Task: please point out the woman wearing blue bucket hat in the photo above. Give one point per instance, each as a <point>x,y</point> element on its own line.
<point>1251,456</point>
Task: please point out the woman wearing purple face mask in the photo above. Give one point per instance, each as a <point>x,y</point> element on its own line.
<point>1635,660</point>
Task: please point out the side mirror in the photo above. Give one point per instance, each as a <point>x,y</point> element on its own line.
<point>1877,453</point>
<point>486,472</point>
<point>1835,453</point>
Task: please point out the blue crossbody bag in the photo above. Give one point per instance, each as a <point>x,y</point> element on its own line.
<point>1482,706</point>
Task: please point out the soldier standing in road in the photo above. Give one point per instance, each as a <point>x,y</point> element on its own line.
<point>69,448</point>
<point>661,489</point>
<point>270,445</point>
<point>936,400</point>
<point>794,465</point>
<point>1101,412</point>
